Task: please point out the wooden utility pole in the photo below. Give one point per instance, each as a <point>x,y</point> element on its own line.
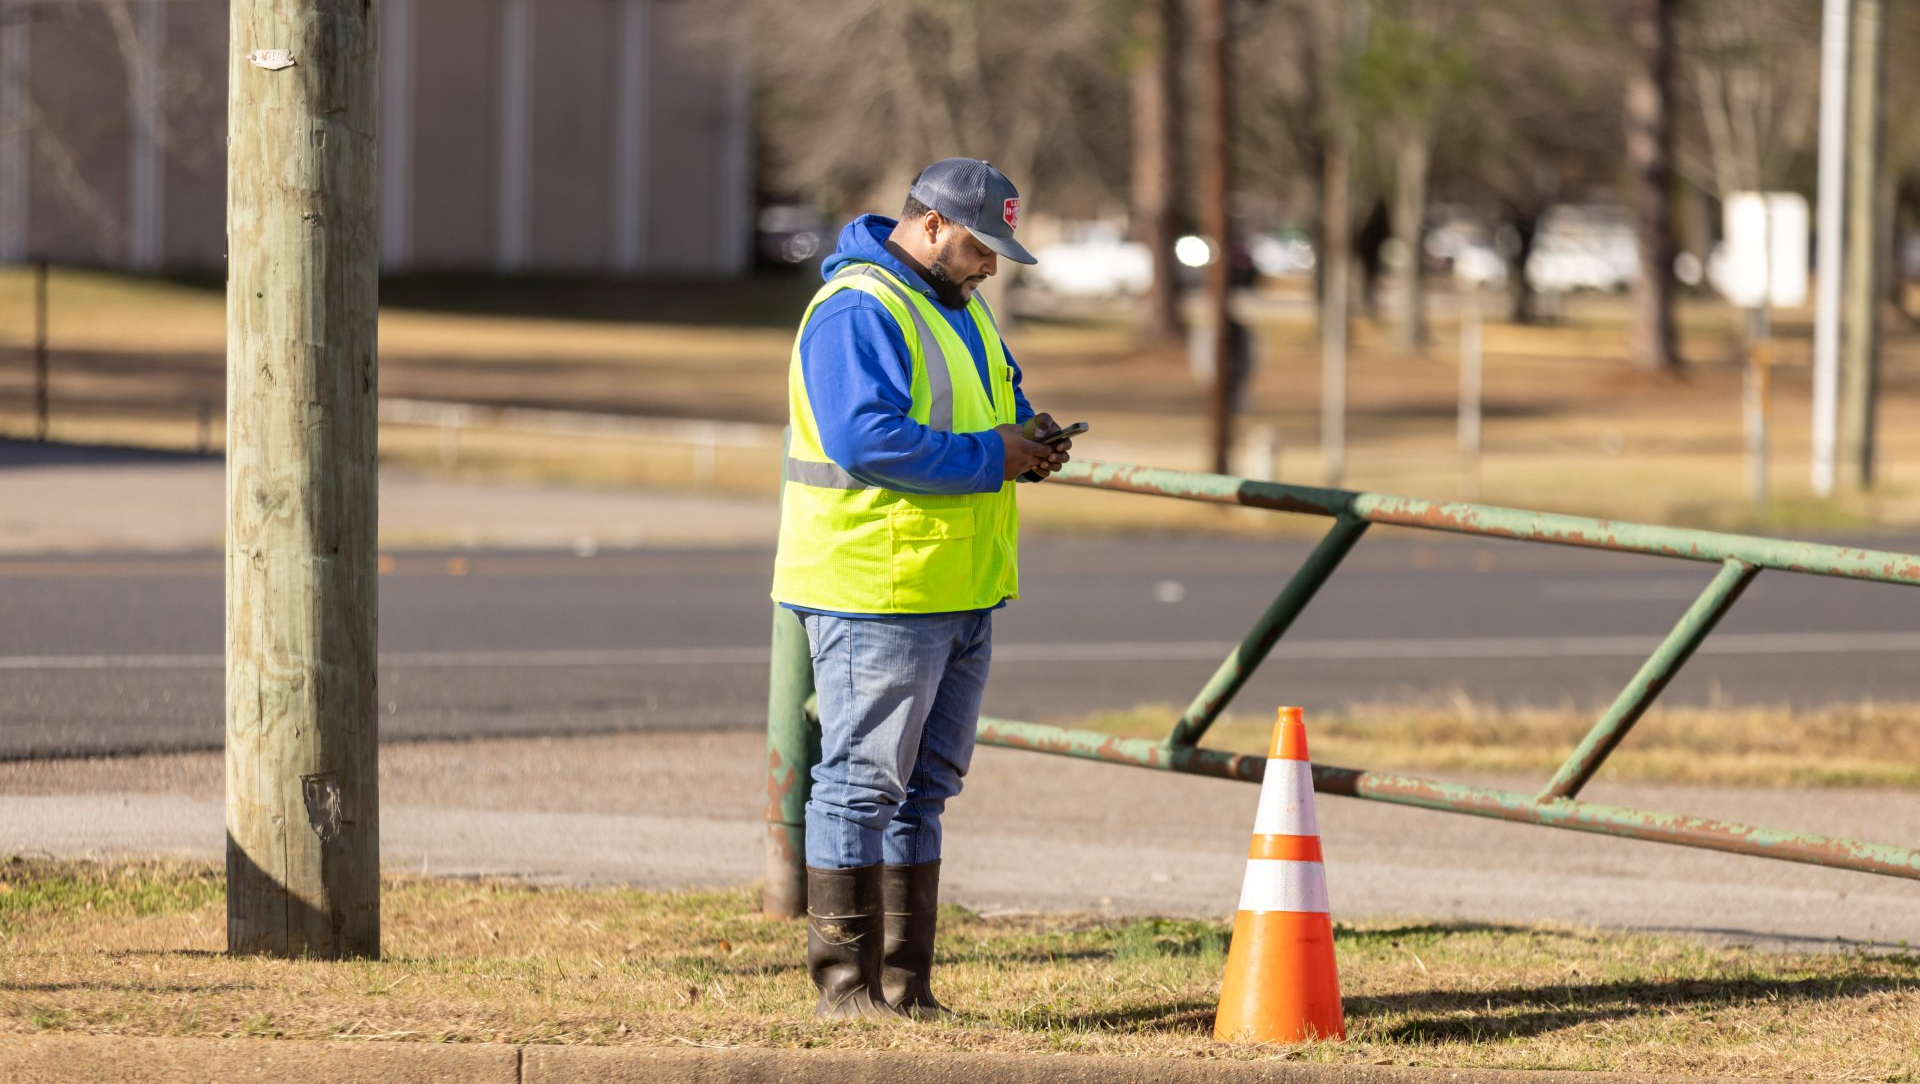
<point>1215,185</point>
<point>1862,293</point>
<point>1650,157</point>
<point>303,826</point>
<point>1156,158</point>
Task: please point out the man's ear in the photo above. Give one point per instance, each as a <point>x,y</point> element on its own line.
<point>932,223</point>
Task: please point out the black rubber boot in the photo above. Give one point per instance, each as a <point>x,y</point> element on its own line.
<point>912,898</point>
<point>843,941</point>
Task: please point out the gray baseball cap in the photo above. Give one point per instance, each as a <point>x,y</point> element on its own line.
<point>979,197</point>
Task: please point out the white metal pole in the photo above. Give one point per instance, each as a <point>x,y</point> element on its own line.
<point>1472,357</point>
<point>1834,30</point>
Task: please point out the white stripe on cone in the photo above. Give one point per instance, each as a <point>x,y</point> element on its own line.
<point>1286,800</point>
<point>1276,884</point>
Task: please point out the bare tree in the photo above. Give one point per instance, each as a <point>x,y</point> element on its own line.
<point>936,78</point>
<point>1541,122</point>
<point>1650,157</point>
<point>1156,156</point>
<point>1417,60</point>
<point>1754,82</point>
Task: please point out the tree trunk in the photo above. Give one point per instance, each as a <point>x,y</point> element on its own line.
<point>1156,160</point>
<point>1413,159</point>
<point>1370,245</point>
<point>1526,226</point>
<point>1650,157</point>
<point>1216,181</point>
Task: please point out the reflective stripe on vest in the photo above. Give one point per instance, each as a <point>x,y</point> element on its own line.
<point>939,387</point>
<point>851,547</point>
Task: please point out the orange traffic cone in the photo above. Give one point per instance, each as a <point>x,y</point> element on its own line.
<point>1281,986</point>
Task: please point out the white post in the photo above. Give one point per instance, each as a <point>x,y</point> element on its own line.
<point>1261,460</point>
<point>1834,30</point>
<point>706,455</point>
<point>1472,362</point>
<point>1758,402</point>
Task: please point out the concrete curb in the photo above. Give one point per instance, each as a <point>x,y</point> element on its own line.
<point>88,1059</point>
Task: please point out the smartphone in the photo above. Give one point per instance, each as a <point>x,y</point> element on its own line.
<point>1067,433</point>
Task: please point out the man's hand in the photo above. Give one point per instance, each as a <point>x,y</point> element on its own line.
<point>1052,456</point>
<point>1041,426</point>
<point>1025,455</point>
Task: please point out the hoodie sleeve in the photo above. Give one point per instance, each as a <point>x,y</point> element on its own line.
<point>858,372</point>
<point>1022,410</point>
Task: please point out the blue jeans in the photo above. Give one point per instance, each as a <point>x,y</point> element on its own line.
<point>899,701</point>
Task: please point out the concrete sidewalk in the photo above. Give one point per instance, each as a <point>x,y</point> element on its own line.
<point>66,499</point>
<point>74,1059</point>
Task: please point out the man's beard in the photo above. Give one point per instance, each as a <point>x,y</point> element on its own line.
<point>949,290</point>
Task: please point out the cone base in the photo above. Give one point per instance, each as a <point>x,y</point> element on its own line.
<point>1281,985</point>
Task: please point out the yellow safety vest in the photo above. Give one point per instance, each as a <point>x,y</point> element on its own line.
<point>850,547</point>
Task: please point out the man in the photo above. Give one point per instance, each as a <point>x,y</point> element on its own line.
<point>898,533</point>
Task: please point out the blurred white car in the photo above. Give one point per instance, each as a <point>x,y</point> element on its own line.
<point>1096,261</point>
<point>1583,248</point>
<point>1286,253</point>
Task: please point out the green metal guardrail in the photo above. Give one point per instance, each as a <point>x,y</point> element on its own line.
<point>793,738</point>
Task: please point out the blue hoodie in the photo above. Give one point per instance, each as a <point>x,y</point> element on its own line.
<point>859,373</point>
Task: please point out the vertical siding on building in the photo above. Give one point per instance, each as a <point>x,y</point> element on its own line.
<point>143,49</point>
<point>632,134</point>
<point>455,133</point>
<point>193,214</point>
<point>396,132</point>
<point>689,177</point>
<point>572,136</point>
<point>573,108</point>
<point>79,87</point>
<point>15,160</point>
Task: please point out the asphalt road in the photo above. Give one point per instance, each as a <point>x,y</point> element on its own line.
<point>122,654</point>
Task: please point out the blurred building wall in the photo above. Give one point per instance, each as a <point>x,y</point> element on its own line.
<point>544,136</point>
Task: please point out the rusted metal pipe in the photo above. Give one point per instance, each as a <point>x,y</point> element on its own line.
<point>1646,686</point>
<point>1698,832</point>
<point>1138,752</point>
<point>1492,522</point>
<point>1253,650</point>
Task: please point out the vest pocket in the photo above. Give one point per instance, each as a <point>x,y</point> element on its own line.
<point>933,567</point>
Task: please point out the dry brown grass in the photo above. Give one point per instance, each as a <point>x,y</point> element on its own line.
<point>137,950</point>
<point>1842,745</point>
<point>1569,427</point>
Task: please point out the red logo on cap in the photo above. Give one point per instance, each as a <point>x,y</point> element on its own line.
<point>1012,214</point>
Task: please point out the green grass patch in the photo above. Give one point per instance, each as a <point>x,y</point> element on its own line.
<point>507,962</point>
<point>28,888</point>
